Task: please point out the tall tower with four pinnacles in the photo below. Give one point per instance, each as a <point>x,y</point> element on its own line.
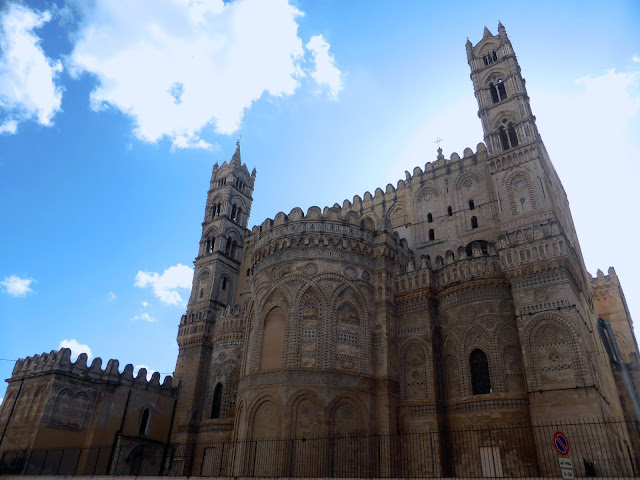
<point>445,315</point>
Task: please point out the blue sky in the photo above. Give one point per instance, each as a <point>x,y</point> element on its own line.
<point>113,113</point>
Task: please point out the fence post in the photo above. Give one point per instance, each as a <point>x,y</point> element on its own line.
<point>46,452</point>
<point>253,467</point>
<point>221,459</point>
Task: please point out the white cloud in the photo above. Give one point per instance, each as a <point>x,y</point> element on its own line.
<point>144,316</point>
<point>27,76</point>
<point>165,286</point>
<point>137,368</point>
<point>178,66</point>
<point>325,71</point>
<point>112,297</point>
<point>144,304</point>
<point>76,348</point>
<point>636,58</point>
<point>17,287</point>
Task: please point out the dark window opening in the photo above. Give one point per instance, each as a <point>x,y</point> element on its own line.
<point>217,401</point>
<point>248,272</point>
<point>432,234</point>
<point>234,210</point>
<point>201,292</point>
<point>494,56</point>
<point>480,379</point>
<point>502,92</point>
<point>449,211</point>
<point>144,422</point>
<point>494,93</point>
<point>429,218</point>
<point>504,139</point>
<point>474,222</point>
<point>224,283</point>
<point>472,205</point>
<point>513,137</point>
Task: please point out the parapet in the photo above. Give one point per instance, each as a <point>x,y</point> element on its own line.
<point>59,362</point>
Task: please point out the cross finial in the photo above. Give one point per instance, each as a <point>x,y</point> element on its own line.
<point>438,140</point>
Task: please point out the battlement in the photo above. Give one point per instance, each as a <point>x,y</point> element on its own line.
<point>605,281</point>
<point>468,262</point>
<point>349,212</point>
<point>59,362</point>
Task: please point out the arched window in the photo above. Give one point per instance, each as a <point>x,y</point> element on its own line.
<point>449,211</point>
<point>494,93</point>
<point>429,218</point>
<point>480,380</point>
<point>234,211</point>
<point>217,401</point>
<point>432,234</point>
<point>472,205</point>
<point>224,283</point>
<point>508,136</point>
<point>474,222</point>
<point>144,421</point>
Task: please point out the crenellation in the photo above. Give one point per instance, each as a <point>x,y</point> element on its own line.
<point>59,362</point>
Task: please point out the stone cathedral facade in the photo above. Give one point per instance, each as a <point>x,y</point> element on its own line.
<point>456,298</point>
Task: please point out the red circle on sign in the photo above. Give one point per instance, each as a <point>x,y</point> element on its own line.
<point>561,443</point>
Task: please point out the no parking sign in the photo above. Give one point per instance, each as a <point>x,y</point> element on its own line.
<point>561,443</point>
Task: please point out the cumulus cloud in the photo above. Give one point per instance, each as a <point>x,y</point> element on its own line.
<point>28,87</point>
<point>325,72</point>
<point>76,348</point>
<point>145,317</point>
<point>181,65</point>
<point>16,286</point>
<point>165,286</point>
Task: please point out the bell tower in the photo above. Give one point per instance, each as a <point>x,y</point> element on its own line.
<point>503,103</point>
<point>215,278</point>
<point>225,223</point>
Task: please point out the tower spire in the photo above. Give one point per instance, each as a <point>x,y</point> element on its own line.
<point>236,159</point>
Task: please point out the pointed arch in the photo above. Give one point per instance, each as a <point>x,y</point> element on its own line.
<point>272,357</point>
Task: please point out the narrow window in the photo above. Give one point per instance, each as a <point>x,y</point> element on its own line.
<point>502,93</point>
<point>474,222</point>
<point>217,401</point>
<point>471,205</point>
<point>432,235</point>
<point>480,380</point>
<point>494,93</point>
<point>239,215</point>
<point>449,211</point>
<point>504,140</point>
<point>429,218</point>
<point>201,292</point>
<point>224,283</point>
<point>513,137</point>
<point>495,57</point>
<point>248,272</point>
<point>484,59</point>
<point>144,422</point>
<point>234,210</point>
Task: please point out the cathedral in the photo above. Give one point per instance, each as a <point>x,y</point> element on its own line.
<point>456,300</point>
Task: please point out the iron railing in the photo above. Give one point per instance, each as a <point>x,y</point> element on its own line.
<point>596,449</point>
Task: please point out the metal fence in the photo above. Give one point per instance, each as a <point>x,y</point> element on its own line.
<point>595,449</point>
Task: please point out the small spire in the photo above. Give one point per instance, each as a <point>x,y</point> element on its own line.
<point>440,155</point>
<point>468,41</point>
<point>236,156</point>
<point>486,33</point>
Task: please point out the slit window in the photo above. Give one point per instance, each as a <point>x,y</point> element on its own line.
<point>429,218</point>
<point>472,205</point>
<point>144,421</point>
<point>432,234</point>
<point>449,211</point>
<point>217,401</point>
<point>480,379</point>
<point>224,283</point>
<point>474,222</point>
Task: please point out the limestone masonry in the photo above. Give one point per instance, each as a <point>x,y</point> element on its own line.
<point>457,298</point>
